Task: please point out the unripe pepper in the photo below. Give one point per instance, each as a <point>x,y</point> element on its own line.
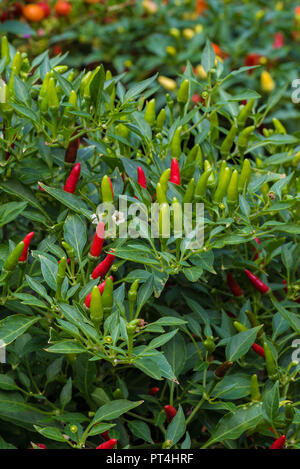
<point>161,119</point>
<point>232,191</point>
<point>71,182</point>
<point>101,287</point>
<point>153,391</point>
<point>98,241</point>
<point>176,143</point>
<point>150,115</point>
<point>110,444</point>
<point>53,100</point>
<point>183,92</point>
<point>256,282</point>
<point>26,241</point>
<point>177,217</point>
<point>71,151</point>
<point>61,273</point>
<point>279,443</point>
<point>201,185</point>
<point>17,63</point>
<point>279,128</point>
<point>267,82</point>
<point>164,214</point>
<point>164,178</point>
<point>107,297</point>
<point>5,50</point>
<point>245,113</point>
<point>170,412</point>
<point>142,181</point>
<point>289,413</point>
<point>96,308</point>
<point>271,364</point>
<point>211,182</point>
<point>107,189</point>
<point>85,82</point>
<point>132,294</point>
<point>13,258</point>
<point>189,193</point>
<point>209,345</point>
<point>160,194</point>
<point>44,87</point>
<point>243,138</point>
<point>167,83</point>
<point>244,178</point>
<point>234,286</point>
<point>194,155</point>
<point>222,186</point>
<point>175,172</point>
<point>255,392</point>
<point>104,266</point>
<point>69,250</point>
<point>228,141</point>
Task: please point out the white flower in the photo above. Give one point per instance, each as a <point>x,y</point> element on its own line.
<point>118,217</point>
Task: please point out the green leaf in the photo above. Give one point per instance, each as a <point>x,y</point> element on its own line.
<point>69,200</point>
<point>66,347</point>
<point>291,318</point>
<point>239,344</point>
<point>66,393</point>
<point>140,430</point>
<point>7,383</point>
<point>208,57</point>
<point>50,432</point>
<point>49,271</point>
<point>75,234</point>
<point>139,88</point>
<point>14,326</point>
<point>10,211</point>
<point>176,428</point>
<point>270,408</point>
<point>114,409</point>
<point>16,27</point>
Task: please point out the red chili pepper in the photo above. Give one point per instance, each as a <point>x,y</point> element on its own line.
<point>98,240</point>
<point>101,286</point>
<point>110,444</point>
<point>26,241</point>
<point>153,391</point>
<point>142,181</point>
<point>175,172</point>
<point>111,186</point>
<point>258,349</point>
<point>285,283</point>
<point>71,151</point>
<point>256,254</point>
<point>104,266</point>
<point>278,41</point>
<point>170,412</point>
<point>105,435</point>
<point>71,182</point>
<point>258,284</point>
<point>279,443</point>
<point>233,285</point>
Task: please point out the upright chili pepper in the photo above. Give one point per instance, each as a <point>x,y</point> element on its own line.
<point>107,189</point>
<point>104,266</point>
<point>69,250</point>
<point>189,193</point>
<point>26,241</point>
<point>164,179</point>
<point>243,138</point>
<point>271,364</point>
<point>232,191</point>
<point>53,100</point>
<point>255,392</point>
<point>267,82</point>
<point>244,178</point>
<point>258,349</point>
<point>13,258</point>
<point>176,143</point>
<point>150,115</point>
<point>71,151</point>
<point>245,113</point>
<point>110,444</point>
<point>160,194</point>
<point>223,182</point>
<point>201,185</point>
<point>279,128</point>
<point>257,283</point>
<point>153,391</point>
<point>98,241</point>
<point>17,63</point>
<point>107,297</point>
<point>5,50</point>
<point>175,172</point>
<point>177,217</point>
<point>71,182</point>
<point>211,182</point>
<point>193,156</point>
<point>170,412</point>
<point>234,286</point>
<point>96,307</point>
<point>142,181</point>
<point>101,287</point>
<point>279,443</point>
<point>161,119</point>
<point>183,92</point>
<point>61,273</point>
<point>228,141</point>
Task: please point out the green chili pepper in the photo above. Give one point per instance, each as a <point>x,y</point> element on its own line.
<point>85,81</point>
<point>164,215</point>
<point>44,88</point>
<point>271,364</point>
<point>176,143</point>
<point>117,394</point>
<point>17,63</point>
<point>131,326</point>
<point>239,326</point>
<point>170,104</point>
<point>244,178</point>
<point>289,413</point>
<point>183,92</point>
<point>96,307</point>
<point>132,294</point>
<point>106,189</point>
<point>201,185</point>
<point>245,113</point>
<point>161,119</point>
<point>123,131</point>
<point>160,194</point>
<point>13,258</point>
<point>69,250</point>
<point>255,392</point>
<point>265,190</point>
<point>211,182</point>
<point>5,50</point>
<point>150,114</point>
<point>209,345</point>
<point>177,217</point>
<point>71,76</point>
<point>189,193</point>
<point>61,273</point>
<point>228,141</point>
<point>107,297</point>
<point>11,84</point>
<point>164,178</point>
<point>232,191</point>
<point>60,69</point>
<point>222,185</point>
<point>194,156</point>
<point>53,100</point>
<point>279,128</point>
<point>243,138</point>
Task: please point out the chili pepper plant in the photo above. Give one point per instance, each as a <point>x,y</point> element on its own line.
<point>145,341</point>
